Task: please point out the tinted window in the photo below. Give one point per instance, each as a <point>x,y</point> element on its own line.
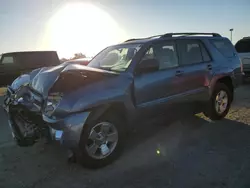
<point>205,55</point>
<point>165,53</point>
<point>224,46</point>
<point>243,46</point>
<point>190,52</point>
<point>37,59</point>
<point>7,60</point>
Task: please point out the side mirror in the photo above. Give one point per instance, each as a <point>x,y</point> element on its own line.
<point>148,65</point>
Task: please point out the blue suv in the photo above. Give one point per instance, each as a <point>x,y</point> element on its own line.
<point>90,108</point>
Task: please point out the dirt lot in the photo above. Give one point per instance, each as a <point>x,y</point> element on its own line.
<point>194,152</point>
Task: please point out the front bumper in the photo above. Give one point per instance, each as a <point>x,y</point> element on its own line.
<point>68,130</point>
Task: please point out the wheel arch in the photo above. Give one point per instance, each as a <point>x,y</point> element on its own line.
<point>117,108</point>
<point>227,80</point>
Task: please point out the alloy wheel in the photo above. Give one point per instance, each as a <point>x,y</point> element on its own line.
<point>102,140</point>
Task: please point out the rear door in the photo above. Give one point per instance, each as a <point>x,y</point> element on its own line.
<point>196,67</point>
<point>9,69</point>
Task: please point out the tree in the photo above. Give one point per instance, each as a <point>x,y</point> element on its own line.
<point>63,60</point>
<point>78,55</point>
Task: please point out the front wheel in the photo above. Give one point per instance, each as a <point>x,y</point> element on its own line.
<point>101,142</point>
<point>219,103</point>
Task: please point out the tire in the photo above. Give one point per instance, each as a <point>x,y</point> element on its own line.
<point>211,111</point>
<point>83,156</point>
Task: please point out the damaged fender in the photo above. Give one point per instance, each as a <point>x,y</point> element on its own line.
<point>71,128</point>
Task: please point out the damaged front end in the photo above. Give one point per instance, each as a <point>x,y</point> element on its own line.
<point>24,114</point>
<point>45,106</point>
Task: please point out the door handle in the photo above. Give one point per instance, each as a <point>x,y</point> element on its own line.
<point>209,67</point>
<point>179,73</point>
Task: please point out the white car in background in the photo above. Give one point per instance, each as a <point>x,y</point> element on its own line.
<point>243,49</point>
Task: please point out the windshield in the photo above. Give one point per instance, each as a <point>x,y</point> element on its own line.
<point>115,58</point>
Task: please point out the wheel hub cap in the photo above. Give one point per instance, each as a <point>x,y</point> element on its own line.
<point>221,102</point>
<point>102,140</point>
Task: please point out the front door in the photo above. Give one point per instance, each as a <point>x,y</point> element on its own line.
<point>154,90</point>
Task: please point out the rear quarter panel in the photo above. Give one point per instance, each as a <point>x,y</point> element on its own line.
<point>223,66</point>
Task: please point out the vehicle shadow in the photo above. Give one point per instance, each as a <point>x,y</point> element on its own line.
<point>199,153</point>
<point>165,122</point>
<point>188,125</point>
<point>189,146</point>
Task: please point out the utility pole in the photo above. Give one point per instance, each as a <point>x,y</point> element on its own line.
<point>231,37</point>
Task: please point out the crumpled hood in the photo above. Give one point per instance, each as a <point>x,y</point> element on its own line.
<point>42,80</point>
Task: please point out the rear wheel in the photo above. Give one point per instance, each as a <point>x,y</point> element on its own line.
<point>101,142</point>
<point>219,103</point>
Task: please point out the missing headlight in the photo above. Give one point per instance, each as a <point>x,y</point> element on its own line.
<point>52,103</point>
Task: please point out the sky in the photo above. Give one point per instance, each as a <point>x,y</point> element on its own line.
<point>72,26</point>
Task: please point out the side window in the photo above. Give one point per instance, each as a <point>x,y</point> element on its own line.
<point>224,46</point>
<point>165,53</point>
<point>149,54</point>
<point>204,52</point>
<point>7,60</point>
<point>190,52</point>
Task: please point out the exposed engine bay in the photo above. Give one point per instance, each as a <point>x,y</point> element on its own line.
<point>27,125</point>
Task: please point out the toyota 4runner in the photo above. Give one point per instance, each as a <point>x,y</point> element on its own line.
<point>90,108</point>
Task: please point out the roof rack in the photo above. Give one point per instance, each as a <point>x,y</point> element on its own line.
<point>131,40</point>
<point>172,34</point>
<point>143,38</point>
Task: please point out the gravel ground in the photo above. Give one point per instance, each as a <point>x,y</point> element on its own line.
<point>194,152</point>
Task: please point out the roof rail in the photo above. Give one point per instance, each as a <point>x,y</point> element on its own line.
<point>172,34</point>
<point>132,40</point>
<point>143,38</point>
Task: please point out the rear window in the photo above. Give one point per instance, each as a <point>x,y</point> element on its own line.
<point>243,46</point>
<point>38,59</point>
<point>7,60</point>
<point>224,46</point>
